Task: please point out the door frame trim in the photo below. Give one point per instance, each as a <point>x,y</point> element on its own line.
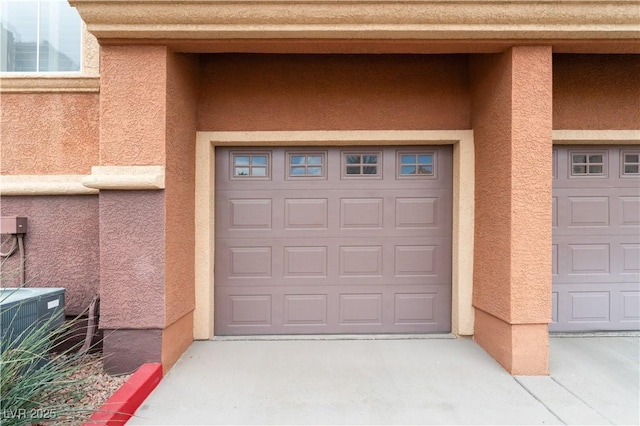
<point>462,315</point>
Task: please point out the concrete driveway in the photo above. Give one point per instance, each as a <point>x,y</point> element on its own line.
<point>594,380</point>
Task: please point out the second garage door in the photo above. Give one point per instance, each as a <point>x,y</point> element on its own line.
<point>333,240</point>
<point>596,238</point>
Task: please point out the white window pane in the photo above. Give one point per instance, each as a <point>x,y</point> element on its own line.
<point>425,159</point>
<point>315,171</point>
<point>579,170</point>
<point>242,161</point>
<point>408,170</point>
<point>19,36</point>
<point>39,36</point>
<point>315,159</point>
<point>579,159</point>
<point>259,171</point>
<point>353,159</point>
<point>425,170</point>
<point>631,169</point>
<point>59,37</point>
<point>408,159</point>
<point>260,160</point>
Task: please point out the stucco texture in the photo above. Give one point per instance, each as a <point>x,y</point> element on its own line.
<point>61,246</point>
<point>132,105</point>
<point>521,349</point>
<point>334,92</point>
<point>512,129</point>
<point>132,259</point>
<point>126,350</point>
<point>596,92</point>
<point>491,84</point>
<point>512,118</point>
<point>182,97</point>
<point>148,117</point>
<point>48,133</point>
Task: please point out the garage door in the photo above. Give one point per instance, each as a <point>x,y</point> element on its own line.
<point>333,240</point>
<point>596,238</point>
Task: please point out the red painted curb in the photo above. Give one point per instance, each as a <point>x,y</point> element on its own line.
<point>125,401</point>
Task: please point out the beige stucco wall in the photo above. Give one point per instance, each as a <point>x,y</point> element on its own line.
<point>524,20</point>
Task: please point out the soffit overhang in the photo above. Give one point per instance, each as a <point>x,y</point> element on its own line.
<point>568,21</point>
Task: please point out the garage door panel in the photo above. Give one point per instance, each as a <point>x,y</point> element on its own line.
<point>334,264</point>
<point>589,259</point>
<point>351,309</point>
<point>306,214</point>
<point>363,309</point>
<point>588,211</point>
<point>629,211</point>
<point>342,215</point>
<point>356,213</point>
<point>630,305</point>
<point>589,306</point>
<point>596,241</point>
<point>250,310</point>
<point>415,308</point>
<point>305,262</point>
<point>250,262</point>
<point>596,259</point>
<point>595,306</point>
<point>305,309</point>
<point>337,252</point>
<point>630,258</point>
<point>596,214</point>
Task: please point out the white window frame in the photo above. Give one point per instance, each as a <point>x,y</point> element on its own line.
<point>38,73</point>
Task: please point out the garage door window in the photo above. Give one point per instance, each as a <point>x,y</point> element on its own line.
<point>361,164</point>
<point>250,165</point>
<point>588,164</point>
<point>631,166</point>
<point>416,164</point>
<point>306,165</point>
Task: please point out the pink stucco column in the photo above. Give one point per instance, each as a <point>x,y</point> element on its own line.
<point>147,118</point>
<point>512,122</point>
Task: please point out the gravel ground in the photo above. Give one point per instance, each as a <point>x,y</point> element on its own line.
<point>79,401</point>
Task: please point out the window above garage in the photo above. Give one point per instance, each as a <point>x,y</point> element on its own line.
<point>40,36</point>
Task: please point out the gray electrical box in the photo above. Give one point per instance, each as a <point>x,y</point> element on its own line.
<point>13,225</point>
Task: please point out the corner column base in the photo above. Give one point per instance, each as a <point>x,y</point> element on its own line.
<point>176,338</point>
<point>126,350</point>
<point>522,349</point>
